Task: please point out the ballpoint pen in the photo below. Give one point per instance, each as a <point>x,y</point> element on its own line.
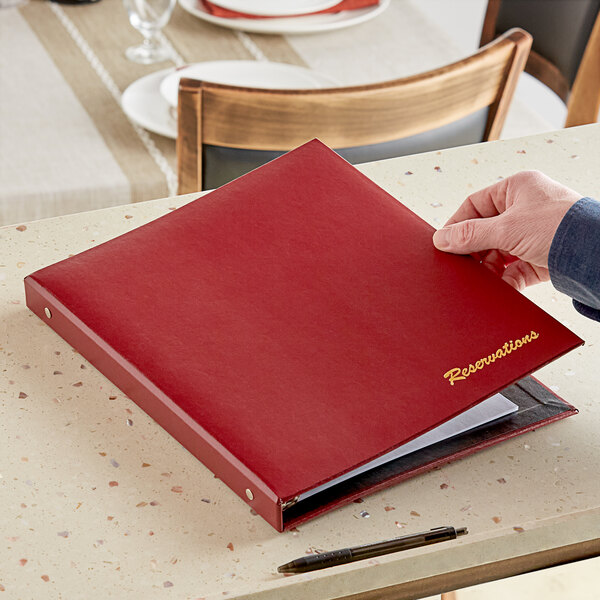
<point>346,555</point>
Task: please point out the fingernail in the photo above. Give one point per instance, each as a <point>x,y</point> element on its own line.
<point>441,238</point>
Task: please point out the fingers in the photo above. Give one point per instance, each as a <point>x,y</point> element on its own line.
<point>517,273</point>
<point>488,202</point>
<point>521,274</point>
<point>509,226</point>
<point>494,261</point>
<point>473,235</point>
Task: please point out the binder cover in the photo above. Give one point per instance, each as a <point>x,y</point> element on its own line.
<point>297,323</point>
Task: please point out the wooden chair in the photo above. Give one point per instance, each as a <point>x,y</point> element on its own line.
<point>566,48</point>
<point>223,123</point>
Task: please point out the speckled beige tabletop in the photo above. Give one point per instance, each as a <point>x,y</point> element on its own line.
<point>97,501</point>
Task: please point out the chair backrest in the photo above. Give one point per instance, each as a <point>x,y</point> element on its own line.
<point>565,55</point>
<point>369,116</point>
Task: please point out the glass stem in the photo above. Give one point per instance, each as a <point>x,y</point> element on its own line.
<point>150,40</point>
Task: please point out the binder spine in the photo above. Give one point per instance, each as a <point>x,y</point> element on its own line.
<point>155,403</point>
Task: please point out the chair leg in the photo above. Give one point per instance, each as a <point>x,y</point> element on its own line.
<point>449,596</point>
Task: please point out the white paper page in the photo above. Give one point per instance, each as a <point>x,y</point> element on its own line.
<point>493,408</point>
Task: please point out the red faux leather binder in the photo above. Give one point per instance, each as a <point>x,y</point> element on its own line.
<point>297,323</point>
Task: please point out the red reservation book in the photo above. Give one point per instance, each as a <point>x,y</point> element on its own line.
<point>298,323</point>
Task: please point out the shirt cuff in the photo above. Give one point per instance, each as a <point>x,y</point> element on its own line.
<point>574,257</point>
<point>586,311</point>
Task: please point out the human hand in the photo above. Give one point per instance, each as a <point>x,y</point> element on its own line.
<point>510,225</point>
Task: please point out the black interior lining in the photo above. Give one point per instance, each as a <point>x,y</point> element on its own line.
<point>536,405</point>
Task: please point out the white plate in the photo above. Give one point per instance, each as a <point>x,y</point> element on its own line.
<point>246,73</point>
<point>144,105</point>
<point>276,8</point>
<point>307,24</point>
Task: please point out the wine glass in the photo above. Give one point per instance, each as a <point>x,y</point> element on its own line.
<point>149,17</point>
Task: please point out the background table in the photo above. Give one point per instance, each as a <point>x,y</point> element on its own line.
<point>65,143</point>
<point>97,501</point>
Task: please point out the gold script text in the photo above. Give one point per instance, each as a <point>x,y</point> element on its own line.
<point>456,374</point>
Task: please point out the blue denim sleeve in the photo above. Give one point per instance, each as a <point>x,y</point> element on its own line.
<point>574,258</point>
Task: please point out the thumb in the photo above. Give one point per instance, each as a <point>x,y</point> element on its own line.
<point>473,235</point>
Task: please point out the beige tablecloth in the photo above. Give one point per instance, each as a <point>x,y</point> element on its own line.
<point>67,146</point>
